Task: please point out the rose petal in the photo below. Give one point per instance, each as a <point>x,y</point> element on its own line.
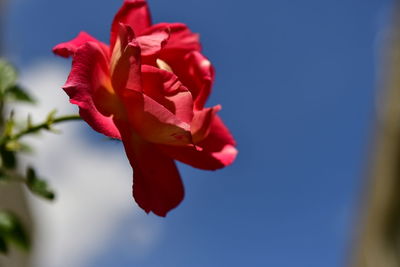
<point>197,74</point>
<point>152,44</point>
<point>125,62</point>
<point>150,119</point>
<point>202,121</point>
<point>153,122</point>
<point>88,86</point>
<point>135,13</point>
<point>216,151</point>
<point>157,186</point>
<point>165,88</point>
<point>181,38</point>
<point>220,136</point>
<point>69,48</point>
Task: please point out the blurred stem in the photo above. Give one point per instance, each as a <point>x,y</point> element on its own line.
<point>378,241</point>
<point>44,125</point>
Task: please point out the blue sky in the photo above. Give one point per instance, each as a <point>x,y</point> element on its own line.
<point>296,80</point>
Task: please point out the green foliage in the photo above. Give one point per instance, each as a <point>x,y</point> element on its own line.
<point>8,158</point>
<point>37,185</point>
<point>9,89</point>
<point>12,232</point>
<point>3,246</point>
<point>17,94</point>
<point>8,76</point>
<point>17,146</point>
<point>11,132</point>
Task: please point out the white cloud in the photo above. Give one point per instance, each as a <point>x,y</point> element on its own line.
<point>93,184</point>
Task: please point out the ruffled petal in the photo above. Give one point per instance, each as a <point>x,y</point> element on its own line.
<point>125,62</point>
<point>181,39</point>
<point>151,45</point>
<point>197,74</point>
<point>153,122</point>
<point>165,88</point>
<point>202,121</point>
<point>89,87</point>
<point>216,151</point>
<point>157,186</point>
<point>134,13</point>
<point>69,48</point>
<point>150,119</point>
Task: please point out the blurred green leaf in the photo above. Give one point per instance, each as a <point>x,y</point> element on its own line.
<point>13,145</point>
<point>16,93</point>
<point>12,231</point>
<point>25,148</point>
<point>8,76</point>
<point>3,246</point>
<point>38,186</point>
<point>8,158</point>
<point>18,146</point>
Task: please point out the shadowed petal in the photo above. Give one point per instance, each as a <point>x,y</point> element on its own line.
<point>157,186</point>
<point>88,86</point>
<point>153,122</point>
<point>165,88</point>
<point>197,74</point>
<point>216,151</point>
<point>125,62</point>
<point>202,122</point>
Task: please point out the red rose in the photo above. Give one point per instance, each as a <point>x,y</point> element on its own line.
<point>148,88</point>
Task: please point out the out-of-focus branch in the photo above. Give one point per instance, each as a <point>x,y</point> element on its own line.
<point>45,125</point>
<point>378,241</point>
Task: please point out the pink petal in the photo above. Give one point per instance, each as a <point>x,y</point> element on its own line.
<point>216,151</point>
<point>150,119</point>
<point>157,186</point>
<point>202,122</point>
<point>88,86</point>
<point>181,38</point>
<point>134,13</point>
<point>153,122</point>
<point>68,49</point>
<point>197,74</point>
<point>165,88</point>
<point>152,44</point>
<point>125,61</point>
